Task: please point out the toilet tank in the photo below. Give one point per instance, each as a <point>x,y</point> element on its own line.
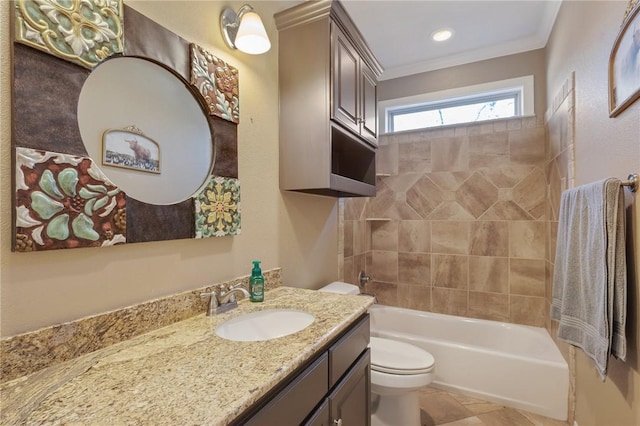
<point>340,288</point>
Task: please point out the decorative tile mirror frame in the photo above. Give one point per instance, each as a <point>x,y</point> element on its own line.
<point>62,198</point>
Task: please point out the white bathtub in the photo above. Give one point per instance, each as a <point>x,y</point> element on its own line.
<point>513,365</point>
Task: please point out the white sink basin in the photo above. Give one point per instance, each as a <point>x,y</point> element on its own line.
<point>264,325</point>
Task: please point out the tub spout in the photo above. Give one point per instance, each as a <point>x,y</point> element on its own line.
<point>375,298</point>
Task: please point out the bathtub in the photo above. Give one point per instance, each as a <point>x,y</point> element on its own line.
<point>513,365</point>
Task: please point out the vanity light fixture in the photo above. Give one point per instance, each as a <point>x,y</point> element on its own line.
<point>244,30</point>
<point>442,34</point>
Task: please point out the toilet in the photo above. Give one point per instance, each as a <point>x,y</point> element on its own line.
<point>398,371</point>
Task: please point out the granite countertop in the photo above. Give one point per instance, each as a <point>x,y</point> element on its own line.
<point>180,374</point>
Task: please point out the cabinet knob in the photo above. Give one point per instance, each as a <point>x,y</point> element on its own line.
<point>337,422</point>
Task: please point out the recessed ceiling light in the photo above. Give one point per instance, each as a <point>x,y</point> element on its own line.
<point>442,34</point>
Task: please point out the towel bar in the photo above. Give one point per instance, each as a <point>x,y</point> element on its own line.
<point>632,182</point>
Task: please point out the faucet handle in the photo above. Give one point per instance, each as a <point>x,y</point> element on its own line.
<point>231,287</point>
<point>209,292</point>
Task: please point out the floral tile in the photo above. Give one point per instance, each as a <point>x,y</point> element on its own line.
<point>217,82</point>
<point>217,208</point>
<point>83,32</point>
<point>65,201</point>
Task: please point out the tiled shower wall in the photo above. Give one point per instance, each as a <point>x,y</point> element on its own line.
<point>458,225</point>
<point>559,172</point>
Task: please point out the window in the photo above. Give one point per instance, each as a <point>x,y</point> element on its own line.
<point>458,111</point>
<point>489,101</point>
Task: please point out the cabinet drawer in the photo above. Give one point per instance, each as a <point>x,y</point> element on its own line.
<point>294,403</point>
<point>345,351</point>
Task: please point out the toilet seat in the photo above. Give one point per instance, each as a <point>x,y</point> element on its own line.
<point>394,357</point>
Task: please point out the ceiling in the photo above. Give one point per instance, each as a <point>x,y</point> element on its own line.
<point>399,32</point>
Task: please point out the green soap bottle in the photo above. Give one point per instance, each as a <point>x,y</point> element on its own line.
<point>256,283</point>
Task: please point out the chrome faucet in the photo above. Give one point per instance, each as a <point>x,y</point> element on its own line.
<point>223,301</point>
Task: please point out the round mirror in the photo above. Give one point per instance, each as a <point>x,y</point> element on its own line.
<point>146,130</point>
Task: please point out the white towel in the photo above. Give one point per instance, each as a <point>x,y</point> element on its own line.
<point>589,289</point>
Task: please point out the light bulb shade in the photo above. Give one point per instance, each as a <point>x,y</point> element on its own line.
<point>252,37</point>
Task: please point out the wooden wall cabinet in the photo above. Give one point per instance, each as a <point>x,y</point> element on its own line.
<point>328,102</point>
<point>334,388</point>
<point>355,100</point>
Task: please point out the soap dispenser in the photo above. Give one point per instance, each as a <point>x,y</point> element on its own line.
<point>256,283</point>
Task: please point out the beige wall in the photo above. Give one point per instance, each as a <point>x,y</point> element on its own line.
<point>581,41</point>
<point>295,232</point>
<point>518,65</point>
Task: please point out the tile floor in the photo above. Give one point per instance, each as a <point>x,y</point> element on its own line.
<point>443,408</point>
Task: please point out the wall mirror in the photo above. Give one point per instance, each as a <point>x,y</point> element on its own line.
<point>137,117</point>
<point>125,133</point>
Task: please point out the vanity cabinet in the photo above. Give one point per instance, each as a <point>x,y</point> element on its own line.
<point>333,388</point>
<point>328,102</point>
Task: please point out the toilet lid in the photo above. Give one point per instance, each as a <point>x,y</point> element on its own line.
<point>392,356</point>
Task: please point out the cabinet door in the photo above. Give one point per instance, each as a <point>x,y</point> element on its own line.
<point>345,81</point>
<point>369,111</point>
<point>350,401</point>
<point>320,417</point>
<point>293,404</point>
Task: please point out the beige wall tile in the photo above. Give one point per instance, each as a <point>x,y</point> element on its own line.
<point>382,202</point>
<point>383,266</point>
<point>527,310</point>
<point>489,274</point>
<point>490,306</point>
<point>384,235</point>
<point>489,238</point>
<point>527,277</point>
<point>359,237</point>
<point>450,154</point>
<point>552,240</point>
<point>414,157</point>
<point>424,196</point>
<point>386,293</point>
<point>450,210</point>
<point>555,189</point>
<point>450,271</point>
<point>508,176</point>
<point>400,210</point>
<point>449,181</point>
<point>527,146</point>
<point>488,150</point>
<point>414,236</point>
<point>414,268</point>
<point>449,301</point>
<point>402,182</point>
<point>387,159</point>
<point>548,291</point>
<point>449,237</point>
<point>527,239</point>
<point>347,270</point>
<point>505,210</point>
<point>477,194</point>
<point>530,194</point>
<point>348,238</point>
<point>414,297</point>
<point>354,208</point>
